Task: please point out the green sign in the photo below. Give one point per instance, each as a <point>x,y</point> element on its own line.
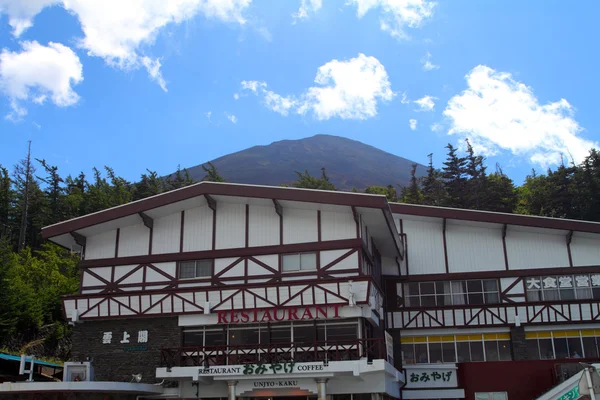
<point>571,394</point>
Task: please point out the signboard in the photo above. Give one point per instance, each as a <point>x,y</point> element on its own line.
<point>244,388</point>
<point>583,387</point>
<point>389,347</point>
<point>263,369</point>
<point>141,338</point>
<point>258,315</point>
<point>429,376</point>
<point>571,394</point>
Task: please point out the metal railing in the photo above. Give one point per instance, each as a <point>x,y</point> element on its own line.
<point>341,350</point>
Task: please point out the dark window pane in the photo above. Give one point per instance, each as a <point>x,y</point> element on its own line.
<point>584,293</point>
<point>448,354</point>
<point>491,350</point>
<point>421,353</point>
<point>475,298</point>
<point>427,301</point>
<point>490,285</point>
<point>444,300</point>
<point>504,350</point>
<point>439,288</point>
<point>567,294</point>
<point>341,332</point>
<point>492,298</point>
<point>474,286</point>
<point>546,352</point>
<point>321,333</point>
<point>476,351</point>
<point>459,299</point>
<point>534,295</point>
<point>187,269</point>
<point>243,336</point>
<point>560,348</point>
<point>412,289</point>
<point>575,350</point>
<point>427,288</point>
<point>596,292</point>
<point>304,334</point>
<point>412,301</point>
<point>203,268</point>
<point>215,338</point>
<point>551,294</point>
<point>589,345</point>
<point>464,352</point>
<point>192,339</point>
<point>435,352</point>
<point>281,334</point>
<point>408,353</point>
<point>532,349</point>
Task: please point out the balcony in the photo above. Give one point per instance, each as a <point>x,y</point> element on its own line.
<point>205,356</point>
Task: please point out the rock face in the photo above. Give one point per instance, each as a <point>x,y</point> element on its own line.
<point>349,163</point>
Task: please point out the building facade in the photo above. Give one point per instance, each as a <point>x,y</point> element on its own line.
<point>227,291</point>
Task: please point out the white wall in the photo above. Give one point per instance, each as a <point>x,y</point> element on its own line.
<point>528,249</point>
<point>425,247</point>
<point>299,226</point>
<point>472,249</point>
<point>337,225</point>
<point>585,250</point>
<point>231,225</point>
<point>264,226</point>
<point>101,246</point>
<point>166,233</point>
<point>197,229</point>
<point>134,240</point>
<point>350,262</point>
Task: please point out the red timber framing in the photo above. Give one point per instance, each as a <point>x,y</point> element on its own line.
<point>272,273</point>
<point>468,316</point>
<point>169,302</point>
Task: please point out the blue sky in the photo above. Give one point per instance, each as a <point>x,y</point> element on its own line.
<point>157,83</point>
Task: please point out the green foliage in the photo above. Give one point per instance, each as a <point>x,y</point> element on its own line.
<point>388,191</point>
<point>307,181</point>
<point>212,175</point>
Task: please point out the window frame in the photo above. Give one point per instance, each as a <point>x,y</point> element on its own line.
<point>576,291</point>
<point>300,269</point>
<point>465,293</point>
<point>195,277</point>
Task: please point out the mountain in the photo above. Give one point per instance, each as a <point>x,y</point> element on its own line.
<point>349,163</point>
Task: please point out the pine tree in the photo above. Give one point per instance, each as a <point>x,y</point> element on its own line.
<point>212,175</point>
<point>476,191</point>
<point>412,193</point>
<point>23,178</point>
<point>388,191</point>
<point>179,179</point>
<point>307,181</point>
<point>54,193</point>
<point>150,184</point>
<point>455,183</point>
<point>433,191</point>
<point>6,201</point>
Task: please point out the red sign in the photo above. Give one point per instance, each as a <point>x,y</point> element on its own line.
<point>278,314</point>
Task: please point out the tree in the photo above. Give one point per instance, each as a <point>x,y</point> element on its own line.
<point>307,181</point>
<point>23,179</point>
<point>54,192</point>
<point>150,184</point>
<point>6,201</point>
<point>388,191</point>
<point>476,189</point>
<point>433,191</point>
<point>454,171</point>
<point>212,175</point>
<point>179,179</point>
<point>412,193</point>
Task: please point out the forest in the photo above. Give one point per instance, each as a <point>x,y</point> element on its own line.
<point>35,274</point>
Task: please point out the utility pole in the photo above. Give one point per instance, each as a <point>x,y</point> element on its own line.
<point>23,229</point>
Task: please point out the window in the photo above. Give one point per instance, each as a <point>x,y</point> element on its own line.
<point>563,287</point>
<point>432,294</point>
<point>563,344</point>
<point>456,348</point>
<point>299,262</point>
<point>491,396</point>
<point>195,269</point>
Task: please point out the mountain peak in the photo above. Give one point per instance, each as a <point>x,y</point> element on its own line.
<point>349,163</point>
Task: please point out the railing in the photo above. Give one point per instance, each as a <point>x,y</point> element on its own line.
<point>204,356</point>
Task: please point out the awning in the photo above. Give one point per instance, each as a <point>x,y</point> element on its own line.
<point>10,357</point>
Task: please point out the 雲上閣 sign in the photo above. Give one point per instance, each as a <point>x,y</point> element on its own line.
<point>278,314</point>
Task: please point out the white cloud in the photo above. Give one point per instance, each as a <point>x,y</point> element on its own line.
<point>39,72</point>
<point>38,126</point>
<point>346,89</point>
<point>208,114</point>
<point>236,96</point>
<point>413,124</point>
<point>22,12</point>
<point>307,7</point>
<point>436,127</point>
<point>232,118</point>
<point>427,64</point>
<point>404,99</point>
<point>426,103</point>
<point>119,31</point>
<point>498,113</point>
<point>396,15</point>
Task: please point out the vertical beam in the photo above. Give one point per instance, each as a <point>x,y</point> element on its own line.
<point>212,204</point>
<point>117,242</point>
<point>279,211</point>
<point>319,238</point>
<point>504,229</point>
<point>181,231</point>
<point>150,240</point>
<point>247,224</point>
<point>445,246</point>
<point>357,220</point>
<point>569,239</point>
